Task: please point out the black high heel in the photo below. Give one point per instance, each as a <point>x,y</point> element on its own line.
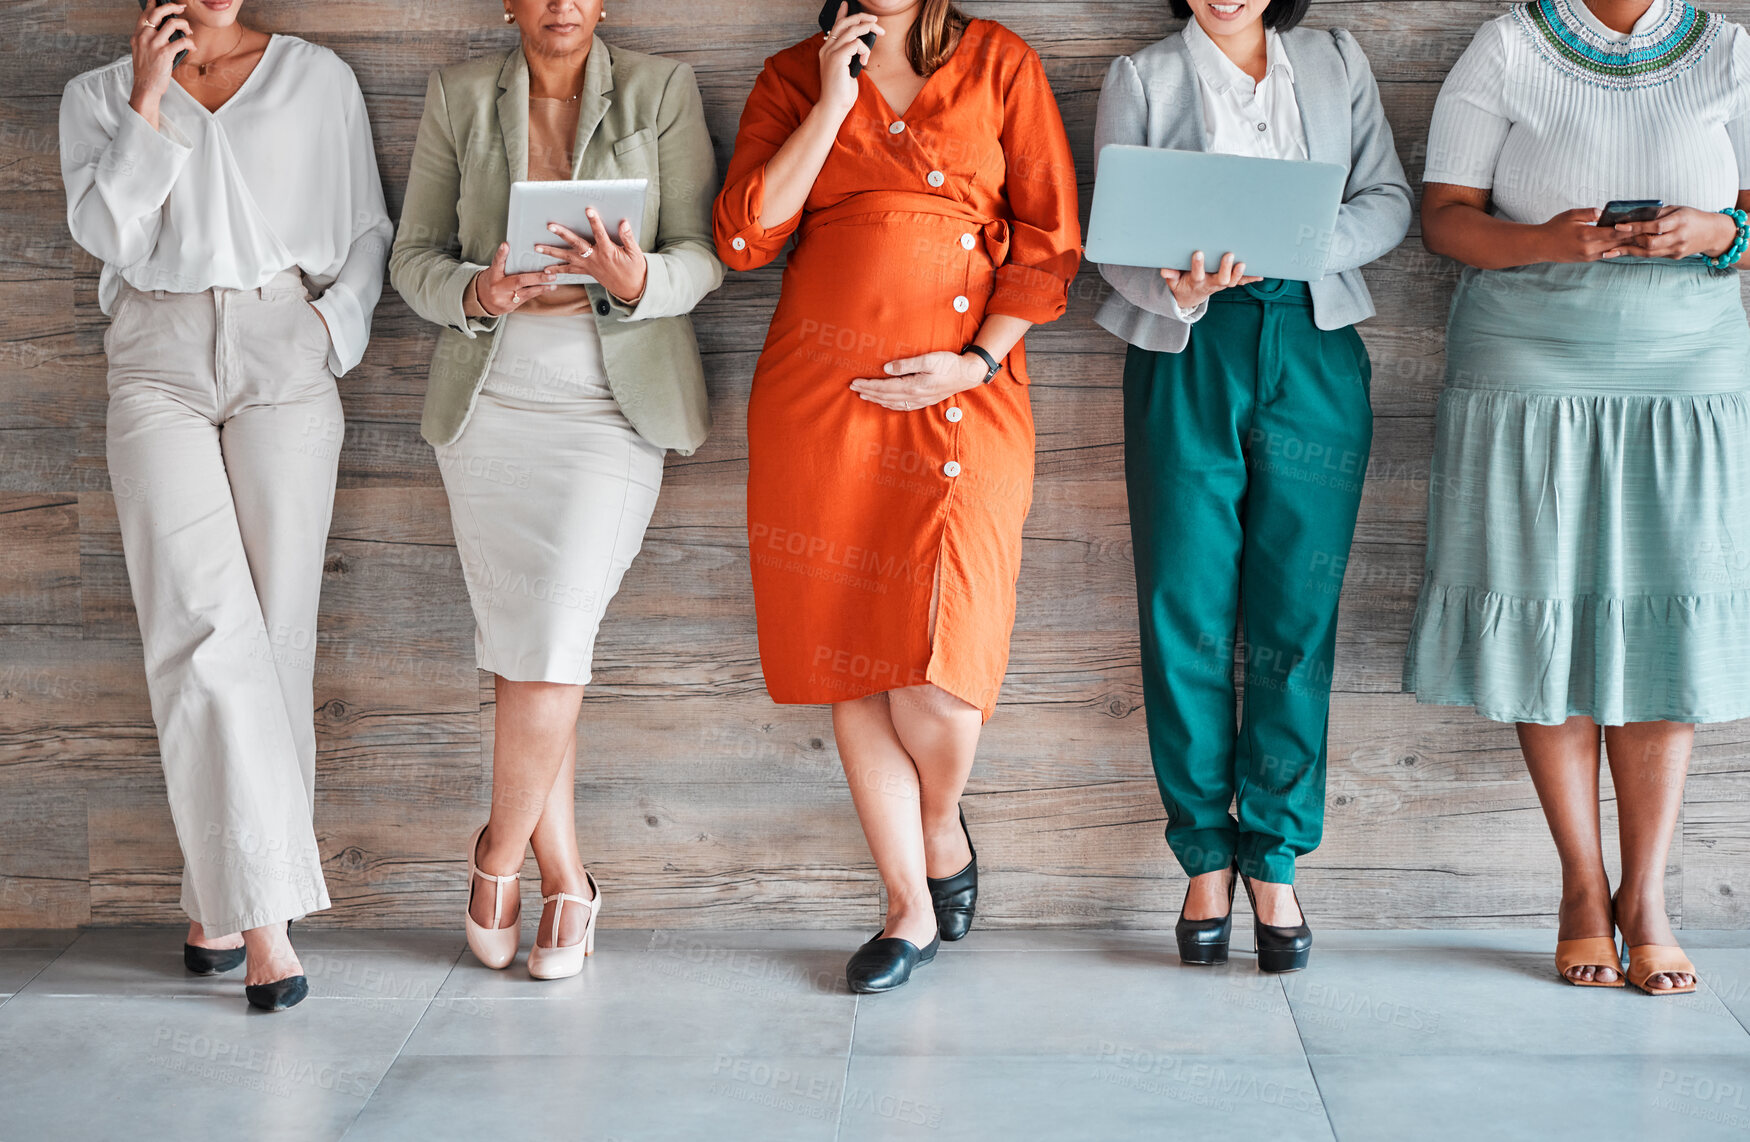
<point>1206,941</point>
<point>211,961</point>
<point>281,993</point>
<point>955,897</point>
<point>886,962</point>
<point>1280,949</point>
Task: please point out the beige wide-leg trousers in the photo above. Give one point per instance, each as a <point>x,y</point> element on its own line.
<point>224,442</point>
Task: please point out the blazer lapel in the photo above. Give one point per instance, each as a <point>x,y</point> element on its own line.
<point>513,113</point>
<point>1321,88</point>
<point>592,102</point>
<point>1185,133</point>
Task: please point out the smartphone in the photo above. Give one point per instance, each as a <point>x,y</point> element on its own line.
<point>829,15</point>
<point>181,55</point>
<point>1630,210</point>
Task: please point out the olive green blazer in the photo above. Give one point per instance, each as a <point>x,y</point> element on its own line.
<point>640,117</point>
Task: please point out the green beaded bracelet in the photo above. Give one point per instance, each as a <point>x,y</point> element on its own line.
<point>1731,256</point>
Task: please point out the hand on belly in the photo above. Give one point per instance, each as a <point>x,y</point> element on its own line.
<point>918,382</point>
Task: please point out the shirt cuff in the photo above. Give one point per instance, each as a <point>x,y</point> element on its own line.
<point>348,328</point>
<point>1188,316</point>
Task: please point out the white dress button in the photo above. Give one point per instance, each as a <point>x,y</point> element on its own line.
<point>951,469</point>
<point>967,241</point>
<point>937,178</point>
<point>898,127</point>
<point>739,244</point>
<point>953,414</point>
<point>961,305</point>
<point>1263,126</point>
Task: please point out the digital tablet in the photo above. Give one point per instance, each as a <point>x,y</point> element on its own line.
<point>1155,207</point>
<point>533,205</point>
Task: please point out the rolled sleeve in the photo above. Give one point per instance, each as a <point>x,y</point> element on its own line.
<point>1045,248</point>
<point>774,111</point>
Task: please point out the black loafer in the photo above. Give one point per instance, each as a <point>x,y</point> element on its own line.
<point>1280,949</point>
<point>211,961</point>
<point>278,995</point>
<point>955,898</point>
<point>1205,941</point>
<point>886,962</point>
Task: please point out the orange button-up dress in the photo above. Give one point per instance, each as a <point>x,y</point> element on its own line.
<point>918,227</point>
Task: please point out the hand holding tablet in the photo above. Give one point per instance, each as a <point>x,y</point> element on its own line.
<point>582,248</point>
<point>616,262</point>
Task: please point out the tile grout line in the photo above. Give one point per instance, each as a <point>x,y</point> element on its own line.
<point>1330,1123</point>
<point>405,1039</point>
<point>838,1126</point>
<point>52,960</point>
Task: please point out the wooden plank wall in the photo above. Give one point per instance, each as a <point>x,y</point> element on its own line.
<point>701,803</point>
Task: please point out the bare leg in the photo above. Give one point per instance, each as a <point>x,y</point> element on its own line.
<point>940,733</point>
<point>536,731</point>
<point>1563,761</point>
<point>1206,897</point>
<point>555,845</point>
<point>1648,762</point>
<point>885,787</point>
<point>270,956</point>
<point>198,937</point>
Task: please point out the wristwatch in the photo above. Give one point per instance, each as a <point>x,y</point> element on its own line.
<point>996,366</point>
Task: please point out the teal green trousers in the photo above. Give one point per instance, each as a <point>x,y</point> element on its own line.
<point>1245,456</point>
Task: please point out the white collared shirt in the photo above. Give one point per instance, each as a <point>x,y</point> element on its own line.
<point>282,177</point>
<point>1243,117</point>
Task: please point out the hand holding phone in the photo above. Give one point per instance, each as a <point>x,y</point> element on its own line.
<point>1630,210</point>
<point>829,23</point>
<point>155,54</point>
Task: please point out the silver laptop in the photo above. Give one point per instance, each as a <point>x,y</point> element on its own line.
<point>535,204</point>
<point>1155,207</point>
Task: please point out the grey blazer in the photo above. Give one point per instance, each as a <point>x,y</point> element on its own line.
<point>1153,99</point>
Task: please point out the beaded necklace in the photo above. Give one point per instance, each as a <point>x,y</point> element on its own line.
<point>1646,59</point>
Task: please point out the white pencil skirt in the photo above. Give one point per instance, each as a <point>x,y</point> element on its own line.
<point>550,491</point>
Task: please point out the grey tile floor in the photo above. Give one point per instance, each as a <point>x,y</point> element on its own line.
<point>751,1035</point>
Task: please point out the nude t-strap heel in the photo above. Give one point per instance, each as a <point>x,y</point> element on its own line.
<point>494,947</point>
<point>565,961</point>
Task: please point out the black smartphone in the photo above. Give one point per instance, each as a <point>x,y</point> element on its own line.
<point>1630,210</point>
<point>829,15</point>
<point>181,55</point>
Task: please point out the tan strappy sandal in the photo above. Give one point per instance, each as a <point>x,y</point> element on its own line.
<point>1648,960</point>
<point>1592,951</point>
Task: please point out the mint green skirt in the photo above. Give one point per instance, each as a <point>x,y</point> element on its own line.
<point>1589,502</point>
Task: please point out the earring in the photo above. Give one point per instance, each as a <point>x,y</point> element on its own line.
<point>509,19</point>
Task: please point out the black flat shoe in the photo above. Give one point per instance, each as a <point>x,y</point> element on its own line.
<point>211,961</point>
<point>886,962</point>
<point>1280,949</point>
<point>956,897</point>
<point>278,995</point>
<point>1205,941</point>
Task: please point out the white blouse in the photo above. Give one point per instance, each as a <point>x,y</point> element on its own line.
<point>282,176</point>
<point>1243,116</point>
<point>1550,110</point>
